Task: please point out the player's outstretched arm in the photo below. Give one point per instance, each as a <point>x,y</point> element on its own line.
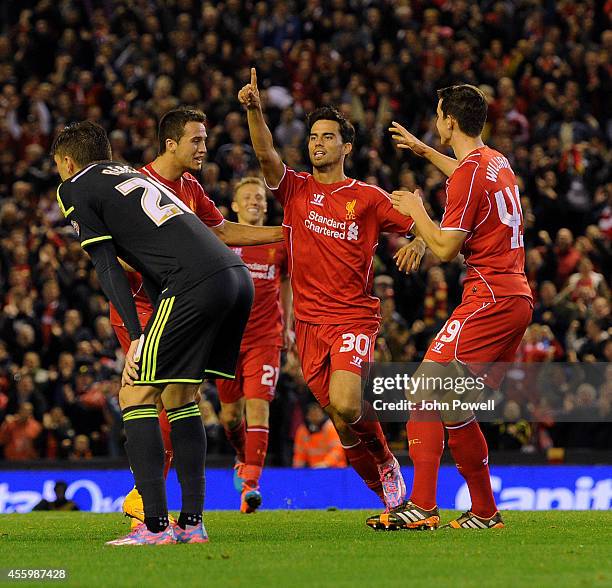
<point>261,137</point>
<point>404,139</point>
<point>236,234</point>
<point>444,244</point>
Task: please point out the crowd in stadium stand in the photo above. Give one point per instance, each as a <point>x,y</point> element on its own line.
<point>544,66</point>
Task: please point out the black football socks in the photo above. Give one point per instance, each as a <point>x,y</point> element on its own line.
<point>145,451</point>
<point>189,445</point>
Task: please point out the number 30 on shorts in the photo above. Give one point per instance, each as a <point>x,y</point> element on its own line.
<point>360,343</point>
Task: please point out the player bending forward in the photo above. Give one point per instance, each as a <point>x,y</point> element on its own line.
<point>267,331</point>
<point>332,225</point>
<point>182,148</point>
<point>483,220</point>
<point>202,293</point>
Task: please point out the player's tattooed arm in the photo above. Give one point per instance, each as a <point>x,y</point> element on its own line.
<point>404,139</point>
<point>261,137</point>
<point>444,244</point>
<point>238,234</point>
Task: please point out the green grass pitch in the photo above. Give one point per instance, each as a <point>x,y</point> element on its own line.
<point>317,548</point>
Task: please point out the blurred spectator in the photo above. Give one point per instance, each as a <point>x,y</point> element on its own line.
<point>57,434</point>
<point>317,444</point>
<point>567,256</point>
<point>515,432</point>
<point>80,448</point>
<point>18,434</point>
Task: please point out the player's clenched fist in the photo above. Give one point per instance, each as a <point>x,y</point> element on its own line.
<point>406,202</point>
<point>249,94</point>
<point>406,140</point>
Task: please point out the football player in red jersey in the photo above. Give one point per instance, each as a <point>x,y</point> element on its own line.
<point>483,221</point>
<point>182,148</point>
<point>268,329</point>
<point>332,224</point>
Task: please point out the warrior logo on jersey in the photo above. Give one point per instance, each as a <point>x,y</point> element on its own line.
<point>76,227</point>
<point>353,232</point>
<point>317,199</point>
<point>357,361</point>
<point>437,347</point>
<point>350,210</point>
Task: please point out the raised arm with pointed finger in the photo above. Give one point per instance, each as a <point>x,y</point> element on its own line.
<point>404,139</point>
<point>261,137</point>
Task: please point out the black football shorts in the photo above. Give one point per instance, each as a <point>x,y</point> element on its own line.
<point>197,333</point>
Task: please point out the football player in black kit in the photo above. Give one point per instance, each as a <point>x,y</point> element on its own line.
<point>202,293</point>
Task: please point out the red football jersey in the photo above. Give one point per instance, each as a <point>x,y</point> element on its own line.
<point>482,199</point>
<point>267,264</point>
<point>189,190</point>
<point>332,233</point>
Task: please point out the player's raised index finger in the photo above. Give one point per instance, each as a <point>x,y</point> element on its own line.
<point>253,77</point>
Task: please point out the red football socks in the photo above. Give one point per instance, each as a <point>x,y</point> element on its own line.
<point>255,454</point>
<point>164,425</point>
<point>368,429</point>
<point>237,439</point>
<point>364,464</point>
<point>469,449</point>
<point>425,446</point>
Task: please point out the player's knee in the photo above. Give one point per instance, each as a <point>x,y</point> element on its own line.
<point>347,410</point>
<point>137,395</point>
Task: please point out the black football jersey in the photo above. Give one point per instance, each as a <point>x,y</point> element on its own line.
<point>151,229</point>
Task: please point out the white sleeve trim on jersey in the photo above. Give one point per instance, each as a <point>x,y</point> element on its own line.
<point>454,229</point>
<point>216,226</point>
<point>285,168</point>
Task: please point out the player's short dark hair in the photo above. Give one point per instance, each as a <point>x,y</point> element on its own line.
<point>467,104</point>
<point>347,130</point>
<point>172,124</point>
<point>85,142</point>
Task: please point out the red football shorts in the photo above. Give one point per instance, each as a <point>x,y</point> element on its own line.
<point>482,332</point>
<point>323,349</point>
<point>122,332</point>
<point>256,375</point>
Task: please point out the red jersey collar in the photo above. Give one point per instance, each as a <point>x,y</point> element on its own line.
<point>175,186</point>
